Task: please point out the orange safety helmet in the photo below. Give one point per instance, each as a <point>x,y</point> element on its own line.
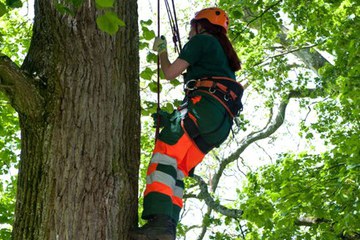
<point>215,16</point>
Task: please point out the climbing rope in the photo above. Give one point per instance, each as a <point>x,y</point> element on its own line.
<point>173,24</point>
<point>176,39</point>
<point>158,78</point>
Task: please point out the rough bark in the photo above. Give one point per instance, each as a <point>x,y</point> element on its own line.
<point>80,126</point>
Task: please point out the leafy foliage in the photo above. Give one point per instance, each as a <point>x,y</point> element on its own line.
<point>9,147</point>
<point>285,46</point>
<point>316,190</point>
<point>15,33</point>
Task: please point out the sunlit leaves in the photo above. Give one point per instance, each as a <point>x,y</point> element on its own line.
<point>7,207</point>
<point>109,22</point>
<point>9,146</point>
<point>147,33</point>
<point>15,34</point>
<point>324,185</point>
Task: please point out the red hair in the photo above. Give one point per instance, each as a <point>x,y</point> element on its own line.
<point>220,33</point>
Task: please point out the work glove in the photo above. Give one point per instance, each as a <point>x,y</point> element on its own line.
<point>160,45</point>
<point>163,118</point>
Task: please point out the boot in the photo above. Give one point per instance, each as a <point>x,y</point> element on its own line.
<point>160,227</point>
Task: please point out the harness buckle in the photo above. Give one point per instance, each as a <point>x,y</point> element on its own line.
<point>212,90</point>
<point>190,85</point>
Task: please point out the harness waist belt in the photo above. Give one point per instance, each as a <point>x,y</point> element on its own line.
<point>226,90</point>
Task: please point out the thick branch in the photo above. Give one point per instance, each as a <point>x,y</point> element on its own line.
<point>313,60</point>
<point>270,128</point>
<point>205,195</point>
<point>308,221</point>
<point>23,95</point>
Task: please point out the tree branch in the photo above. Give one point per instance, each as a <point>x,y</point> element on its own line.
<point>204,227</point>
<point>205,195</point>
<point>274,123</point>
<point>22,93</point>
<point>292,51</point>
<point>309,221</point>
<point>249,14</point>
<point>313,60</point>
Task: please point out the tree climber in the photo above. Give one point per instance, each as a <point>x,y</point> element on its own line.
<point>202,122</point>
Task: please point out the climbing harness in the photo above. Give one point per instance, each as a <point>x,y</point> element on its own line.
<point>225,90</point>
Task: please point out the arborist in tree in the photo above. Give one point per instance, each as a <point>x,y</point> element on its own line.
<point>201,123</point>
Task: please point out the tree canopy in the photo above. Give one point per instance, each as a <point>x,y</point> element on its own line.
<point>291,169</point>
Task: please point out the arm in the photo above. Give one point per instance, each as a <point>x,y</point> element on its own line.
<point>172,70</point>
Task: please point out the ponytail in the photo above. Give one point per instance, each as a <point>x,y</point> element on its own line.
<point>220,33</point>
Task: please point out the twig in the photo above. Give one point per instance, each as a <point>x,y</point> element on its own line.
<point>256,18</point>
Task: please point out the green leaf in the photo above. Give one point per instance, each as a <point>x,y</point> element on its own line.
<point>105,3</point>
<point>2,9</point>
<point>153,87</point>
<point>109,23</point>
<point>143,45</point>
<point>148,34</point>
<point>14,3</point>
<point>147,74</point>
<point>151,57</point>
<point>175,82</point>
<point>146,23</point>
<point>168,107</point>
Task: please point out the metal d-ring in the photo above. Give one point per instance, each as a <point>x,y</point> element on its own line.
<point>187,87</point>
<point>212,90</point>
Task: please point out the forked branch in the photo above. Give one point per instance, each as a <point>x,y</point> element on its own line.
<point>19,88</point>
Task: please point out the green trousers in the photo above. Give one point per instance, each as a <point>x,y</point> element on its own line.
<point>176,154</point>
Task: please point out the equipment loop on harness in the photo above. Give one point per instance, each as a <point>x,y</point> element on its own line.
<point>226,97</point>
<point>212,90</point>
<point>190,85</point>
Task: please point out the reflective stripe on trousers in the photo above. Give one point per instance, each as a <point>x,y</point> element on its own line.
<point>167,169</point>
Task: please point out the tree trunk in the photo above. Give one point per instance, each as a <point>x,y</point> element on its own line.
<point>80,152</point>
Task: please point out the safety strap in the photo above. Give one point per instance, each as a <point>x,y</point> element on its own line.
<point>193,131</point>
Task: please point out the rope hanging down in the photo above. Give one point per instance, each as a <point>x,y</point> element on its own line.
<point>173,24</point>
<point>176,38</point>
<point>158,78</point>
